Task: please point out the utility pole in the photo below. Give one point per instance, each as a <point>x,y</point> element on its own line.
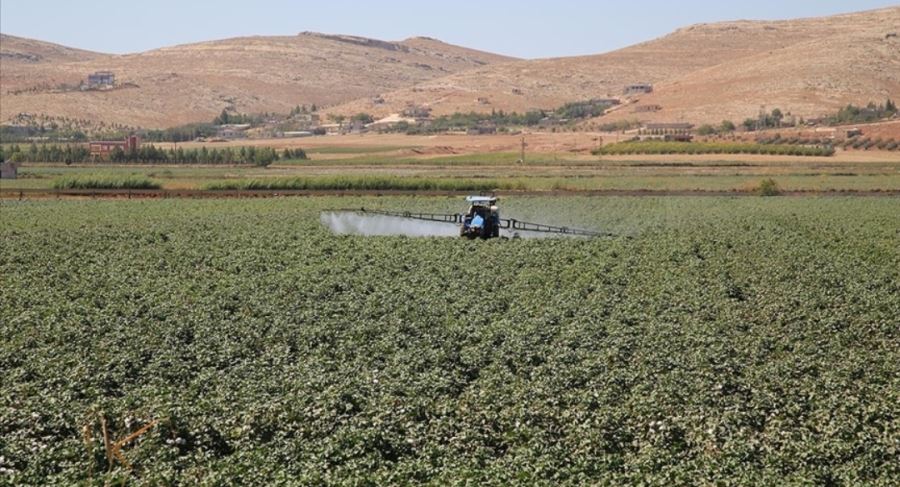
<point>522,159</point>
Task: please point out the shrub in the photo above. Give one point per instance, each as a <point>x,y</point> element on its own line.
<point>768,187</point>
<point>706,129</point>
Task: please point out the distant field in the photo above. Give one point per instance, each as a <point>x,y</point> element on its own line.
<point>742,341</point>
<point>542,172</point>
<point>358,149</point>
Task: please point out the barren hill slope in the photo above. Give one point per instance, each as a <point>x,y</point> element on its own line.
<point>28,63</point>
<point>741,49</point>
<point>20,50</point>
<point>809,79</point>
<point>194,82</point>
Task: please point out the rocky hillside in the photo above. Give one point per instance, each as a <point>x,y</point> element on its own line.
<point>700,73</point>
<point>191,83</point>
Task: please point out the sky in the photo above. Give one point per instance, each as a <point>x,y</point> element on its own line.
<point>521,28</point>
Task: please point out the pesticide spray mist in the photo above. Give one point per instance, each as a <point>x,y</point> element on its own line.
<point>348,223</point>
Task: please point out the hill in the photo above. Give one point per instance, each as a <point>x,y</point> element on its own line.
<point>195,82</point>
<point>702,73</point>
<point>16,50</point>
<point>810,66</point>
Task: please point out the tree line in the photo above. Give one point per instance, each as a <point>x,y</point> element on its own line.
<point>150,154</point>
<point>870,113</point>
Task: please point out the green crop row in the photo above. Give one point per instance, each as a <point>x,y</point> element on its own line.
<point>659,147</point>
<point>130,182</point>
<point>365,183</point>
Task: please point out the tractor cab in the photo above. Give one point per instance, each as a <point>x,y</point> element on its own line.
<point>482,220</point>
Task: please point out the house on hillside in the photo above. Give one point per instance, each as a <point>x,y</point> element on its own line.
<point>390,122</point>
<point>677,131</point>
<point>854,132</point>
<point>647,108</point>
<point>355,127</point>
<point>233,131</point>
<point>331,128</point>
<point>413,110</point>
<point>307,121</point>
<point>638,89</point>
<point>101,79</point>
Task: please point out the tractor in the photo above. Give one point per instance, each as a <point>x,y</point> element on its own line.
<point>482,220</point>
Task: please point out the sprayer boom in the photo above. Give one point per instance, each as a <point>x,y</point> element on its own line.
<point>486,227</point>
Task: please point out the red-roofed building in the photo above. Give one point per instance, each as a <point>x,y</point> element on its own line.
<point>103,148</point>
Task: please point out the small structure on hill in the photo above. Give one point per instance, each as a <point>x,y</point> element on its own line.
<point>390,122</point>
<point>552,121</point>
<point>103,148</point>
<point>415,111</point>
<point>307,121</point>
<point>677,131</point>
<point>647,108</point>
<point>293,134</point>
<point>101,79</point>
<point>483,128</point>
<point>9,170</point>
<point>233,130</point>
<point>331,128</point>
<point>638,88</point>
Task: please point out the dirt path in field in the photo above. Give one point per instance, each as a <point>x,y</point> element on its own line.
<point>22,194</point>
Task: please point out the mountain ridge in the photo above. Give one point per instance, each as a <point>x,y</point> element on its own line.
<point>700,73</point>
<point>550,83</point>
<point>194,82</point>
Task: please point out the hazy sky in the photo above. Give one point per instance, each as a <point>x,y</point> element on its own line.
<point>523,28</point>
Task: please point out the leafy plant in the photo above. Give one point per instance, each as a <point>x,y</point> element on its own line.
<point>768,187</point>
<point>741,341</point>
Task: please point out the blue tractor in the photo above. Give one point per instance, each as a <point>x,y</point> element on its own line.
<point>482,220</point>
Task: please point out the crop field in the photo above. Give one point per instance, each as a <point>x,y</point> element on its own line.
<point>656,147</point>
<point>727,341</point>
<point>485,172</point>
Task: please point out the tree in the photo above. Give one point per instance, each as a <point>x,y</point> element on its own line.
<point>706,129</point>
<point>727,126</point>
<point>750,124</point>
<point>364,118</point>
<point>777,117</point>
<point>890,106</point>
<point>222,119</point>
<point>338,119</point>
